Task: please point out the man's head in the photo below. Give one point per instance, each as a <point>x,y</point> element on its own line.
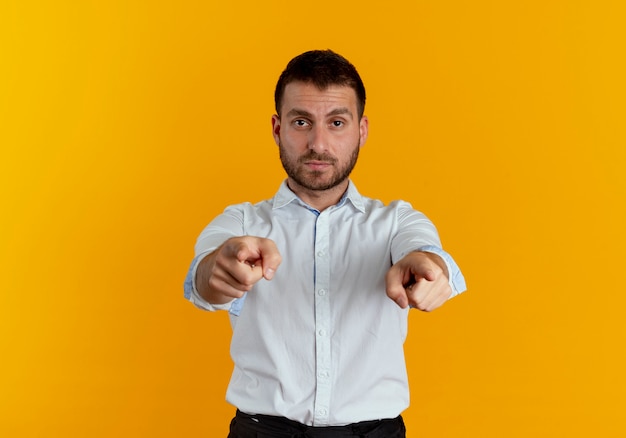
<point>319,126</point>
<point>321,68</point>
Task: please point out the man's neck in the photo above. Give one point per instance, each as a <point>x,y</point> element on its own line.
<point>319,199</point>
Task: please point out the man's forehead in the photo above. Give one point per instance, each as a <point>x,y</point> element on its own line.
<point>298,93</point>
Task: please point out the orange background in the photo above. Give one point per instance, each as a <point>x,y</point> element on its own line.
<point>127,125</point>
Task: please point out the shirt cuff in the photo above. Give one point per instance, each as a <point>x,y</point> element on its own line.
<point>191,293</point>
<point>455,277</point>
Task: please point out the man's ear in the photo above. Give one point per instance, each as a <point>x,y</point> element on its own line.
<point>363,130</point>
<point>276,128</point>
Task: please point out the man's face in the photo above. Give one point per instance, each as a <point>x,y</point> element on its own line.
<point>319,135</point>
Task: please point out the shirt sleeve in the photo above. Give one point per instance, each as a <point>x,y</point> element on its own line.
<point>223,227</point>
<point>415,232</point>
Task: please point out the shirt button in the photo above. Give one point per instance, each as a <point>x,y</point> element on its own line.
<point>321,292</point>
<point>320,253</point>
<point>322,332</point>
<point>324,374</point>
<point>321,412</point>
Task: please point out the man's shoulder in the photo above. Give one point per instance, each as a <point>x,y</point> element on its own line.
<point>397,210</point>
<point>367,203</point>
<point>375,204</point>
<point>250,205</point>
<point>283,192</point>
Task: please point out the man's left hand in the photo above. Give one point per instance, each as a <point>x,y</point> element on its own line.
<point>419,280</point>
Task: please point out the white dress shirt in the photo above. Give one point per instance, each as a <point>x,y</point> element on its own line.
<point>321,343</point>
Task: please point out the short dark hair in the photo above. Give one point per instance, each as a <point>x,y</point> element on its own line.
<point>322,68</point>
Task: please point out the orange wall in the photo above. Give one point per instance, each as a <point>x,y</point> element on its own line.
<point>126,126</point>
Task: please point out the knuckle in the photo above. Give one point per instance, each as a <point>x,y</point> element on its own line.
<point>394,292</point>
<point>248,280</point>
<point>422,306</point>
<point>214,283</point>
<point>222,256</point>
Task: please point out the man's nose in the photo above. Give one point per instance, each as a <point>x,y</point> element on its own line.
<point>318,138</point>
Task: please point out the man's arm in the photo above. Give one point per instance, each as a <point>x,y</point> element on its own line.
<point>214,239</point>
<point>423,275</point>
<point>233,268</point>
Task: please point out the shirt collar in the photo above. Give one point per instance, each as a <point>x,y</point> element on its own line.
<point>285,196</point>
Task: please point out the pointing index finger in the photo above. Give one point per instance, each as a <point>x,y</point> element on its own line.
<point>270,257</point>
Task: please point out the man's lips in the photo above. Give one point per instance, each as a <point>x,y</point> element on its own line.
<point>317,165</point>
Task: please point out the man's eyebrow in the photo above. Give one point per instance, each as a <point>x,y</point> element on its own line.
<point>305,113</point>
<point>299,112</point>
<point>340,111</point>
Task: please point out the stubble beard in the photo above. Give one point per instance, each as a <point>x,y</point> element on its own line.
<point>313,180</point>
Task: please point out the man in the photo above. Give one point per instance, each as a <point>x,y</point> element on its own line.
<point>319,279</point>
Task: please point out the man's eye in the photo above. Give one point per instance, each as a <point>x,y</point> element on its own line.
<point>337,123</point>
<point>300,123</point>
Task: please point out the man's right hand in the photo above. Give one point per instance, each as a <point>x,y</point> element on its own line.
<point>232,269</point>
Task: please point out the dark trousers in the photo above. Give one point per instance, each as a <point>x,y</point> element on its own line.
<point>265,426</point>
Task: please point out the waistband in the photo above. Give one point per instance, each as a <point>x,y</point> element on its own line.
<point>281,426</point>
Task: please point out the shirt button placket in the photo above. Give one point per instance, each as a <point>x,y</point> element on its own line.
<point>322,321</point>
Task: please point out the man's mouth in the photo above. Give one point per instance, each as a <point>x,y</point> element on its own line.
<point>317,165</point>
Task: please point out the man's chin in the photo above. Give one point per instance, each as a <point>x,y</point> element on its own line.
<point>320,184</point>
